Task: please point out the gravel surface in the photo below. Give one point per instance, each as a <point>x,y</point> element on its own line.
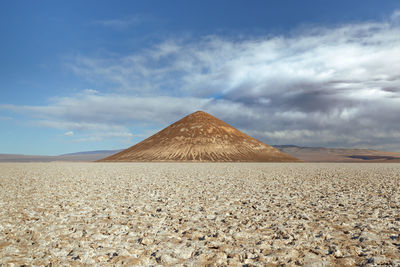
<point>237,214</point>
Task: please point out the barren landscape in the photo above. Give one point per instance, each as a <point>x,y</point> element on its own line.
<point>199,214</point>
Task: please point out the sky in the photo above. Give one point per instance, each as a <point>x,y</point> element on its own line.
<point>93,75</point>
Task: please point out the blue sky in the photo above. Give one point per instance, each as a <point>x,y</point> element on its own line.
<point>91,75</point>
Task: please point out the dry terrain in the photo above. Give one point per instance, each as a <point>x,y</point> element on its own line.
<point>196,214</point>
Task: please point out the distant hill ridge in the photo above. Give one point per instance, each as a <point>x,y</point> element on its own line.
<point>308,154</point>
<point>322,154</point>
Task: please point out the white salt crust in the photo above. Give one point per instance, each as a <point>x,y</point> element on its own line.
<point>149,214</point>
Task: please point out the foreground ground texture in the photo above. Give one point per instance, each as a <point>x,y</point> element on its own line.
<point>199,214</point>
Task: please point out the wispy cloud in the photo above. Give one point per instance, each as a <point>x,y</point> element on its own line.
<point>124,137</point>
<point>395,16</point>
<point>69,133</point>
<point>122,23</point>
<point>337,86</point>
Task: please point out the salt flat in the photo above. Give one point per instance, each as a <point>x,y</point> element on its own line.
<point>198,214</point>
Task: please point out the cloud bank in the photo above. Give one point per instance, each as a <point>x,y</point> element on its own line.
<point>337,86</point>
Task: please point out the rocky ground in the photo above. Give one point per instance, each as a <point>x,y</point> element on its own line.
<point>237,214</point>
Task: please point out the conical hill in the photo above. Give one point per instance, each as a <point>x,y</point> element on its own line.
<point>201,137</point>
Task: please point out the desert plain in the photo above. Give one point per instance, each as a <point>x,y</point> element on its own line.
<point>197,214</point>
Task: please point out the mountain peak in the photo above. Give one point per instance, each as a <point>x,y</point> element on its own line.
<point>199,112</point>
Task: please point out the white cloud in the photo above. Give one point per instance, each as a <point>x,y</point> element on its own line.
<point>337,86</point>
<point>344,58</point>
<point>69,133</point>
